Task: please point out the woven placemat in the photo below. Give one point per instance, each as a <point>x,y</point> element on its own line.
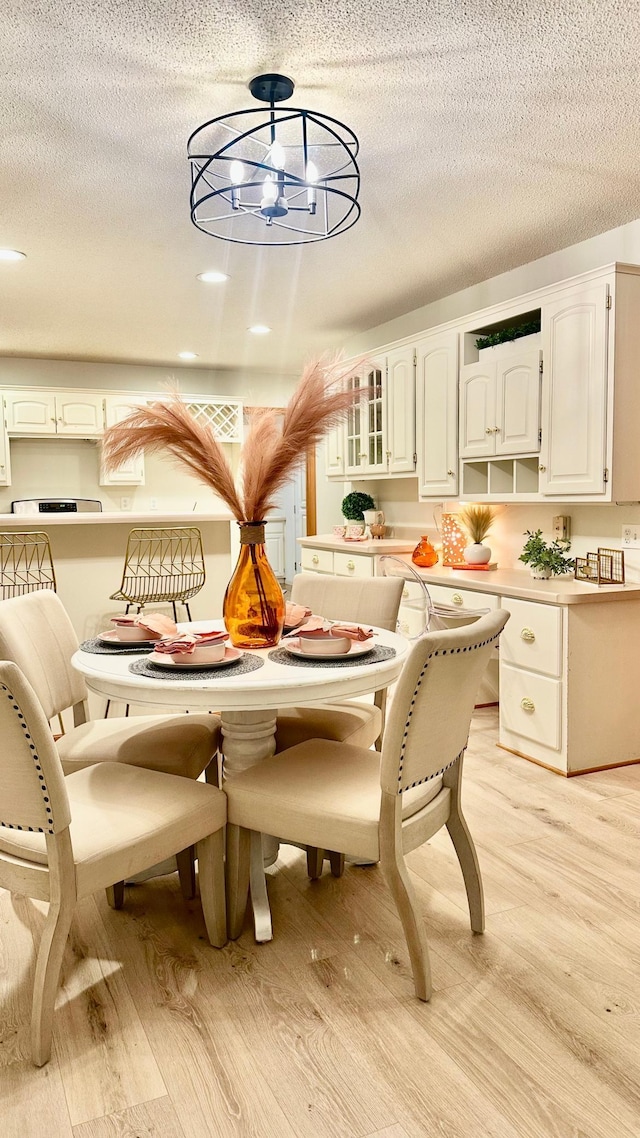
<point>96,647</point>
<point>246,663</point>
<point>375,656</point>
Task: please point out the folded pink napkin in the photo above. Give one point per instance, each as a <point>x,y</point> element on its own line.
<point>295,614</point>
<point>186,642</point>
<point>317,628</point>
<point>154,622</point>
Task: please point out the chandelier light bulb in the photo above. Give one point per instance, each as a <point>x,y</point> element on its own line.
<point>269,192</point>
<point>236,173</point>
<point>276,155</point>
<point>311,174</point>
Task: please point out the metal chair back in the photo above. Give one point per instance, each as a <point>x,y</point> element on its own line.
<point>26,563</point>
<point>162,565</point>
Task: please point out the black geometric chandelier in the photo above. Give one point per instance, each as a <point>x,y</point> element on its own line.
<point>274,175</point>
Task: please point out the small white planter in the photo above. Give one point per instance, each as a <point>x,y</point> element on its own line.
<point>522,344</point>
<point>477,554</point>
<point>541,573</point>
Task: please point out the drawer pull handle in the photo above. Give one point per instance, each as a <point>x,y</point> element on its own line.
<point>315,559</point>
<point>528,634</point>
<point>405,591</point>
<point>350,565</point>
<point>456,599</point>
<point>527,704</point>
<point>404,627</point>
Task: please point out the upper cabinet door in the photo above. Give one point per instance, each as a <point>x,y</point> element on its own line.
<point>518,404</point>
<point>5,463</point>
<point>80,414</point>
<point>478,426</point>
<point>334,451</point>
<point>366,436</point>
<point>401,411</point>
<point>437,415</point>
<point>30,412</point>
<point>130,473</point>
<point>574,391</point>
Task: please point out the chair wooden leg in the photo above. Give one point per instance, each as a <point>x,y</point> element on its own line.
<point>115,895</point>
<point>468,858</point>
<point>397,879</point>
<point>187,872</point>
<point>47,978</point>
<point>336,861</point>
<point>210,853</point>
<point>315,859</point>
<point>237,878</point>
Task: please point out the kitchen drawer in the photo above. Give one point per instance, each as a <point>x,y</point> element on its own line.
<point>412,592</point>
<point>352,565</point>
<point>533,637</point>
<point>463,598</point>
<point>411,622</point>
<point>530,705</point>
<point>317,560</point>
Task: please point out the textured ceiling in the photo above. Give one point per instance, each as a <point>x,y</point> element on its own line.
<point>491,133</point>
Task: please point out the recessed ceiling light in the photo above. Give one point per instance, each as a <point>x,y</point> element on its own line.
<point>259,329</point>
<point>187,355</point>
<point>11,255</point>
<point>212,277</point>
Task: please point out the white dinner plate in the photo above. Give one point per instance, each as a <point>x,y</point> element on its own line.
<point>358,648</point>
<point>111,637</point>
<point>165,660</point>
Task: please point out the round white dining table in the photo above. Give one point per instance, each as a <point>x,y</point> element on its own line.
<point>248,704</point>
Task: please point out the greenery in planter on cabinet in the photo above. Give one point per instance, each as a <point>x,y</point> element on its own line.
<point>505,335</point>
<point>549,559</point>
<point>354,505</point>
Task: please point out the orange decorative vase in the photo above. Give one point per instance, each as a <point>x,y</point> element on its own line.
<point>253,606</point>
<point>424,554</point>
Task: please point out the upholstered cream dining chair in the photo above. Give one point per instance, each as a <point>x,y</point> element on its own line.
<point>37,634</point>
<point>336,796</point>
<point>376,601</point>
<point>62,838</point>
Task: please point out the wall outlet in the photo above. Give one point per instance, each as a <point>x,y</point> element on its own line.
<point>562,527</point>
<point>125,503</point>
<point>153,503</point>
<point>631,536</point>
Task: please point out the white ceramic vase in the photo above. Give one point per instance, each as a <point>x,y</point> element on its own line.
<point>477,554</point>
<point>541,573</point>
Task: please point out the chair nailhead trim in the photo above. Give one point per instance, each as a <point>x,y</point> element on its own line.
<point>36,760</point>
<point>436,774</point>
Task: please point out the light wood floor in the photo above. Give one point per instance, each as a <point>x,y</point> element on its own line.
<point>533,1030</point>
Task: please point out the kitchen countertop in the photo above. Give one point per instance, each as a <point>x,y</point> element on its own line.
<point>516,583</point>
<point>117,517</point>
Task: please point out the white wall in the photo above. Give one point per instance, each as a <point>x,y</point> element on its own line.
<point>592,525</point>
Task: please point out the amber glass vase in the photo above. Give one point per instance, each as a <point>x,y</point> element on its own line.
<point>253,606</point>
<point>424,554</point>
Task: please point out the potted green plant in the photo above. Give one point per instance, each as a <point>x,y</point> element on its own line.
<point>477,521</point>
<point>492,342</point>
<point>353,508</point>
<point>546,559</point>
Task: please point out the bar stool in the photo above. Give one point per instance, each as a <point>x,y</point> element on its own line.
<point>162,565</point>
<point>25,563</point>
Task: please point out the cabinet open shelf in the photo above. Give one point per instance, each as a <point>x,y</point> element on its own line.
<point>500,478</point>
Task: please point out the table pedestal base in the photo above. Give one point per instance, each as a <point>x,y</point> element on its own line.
<point>248,738</point>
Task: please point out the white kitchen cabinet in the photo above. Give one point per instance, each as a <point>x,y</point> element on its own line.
<point>5,460</point>
<point>37,413</point>
<point>131,472</point>
<point>500,405</point>
<point>574,441</point>
<point>366,439</point>
<point>437,415</point>
<point>400,407</point>
<point>334,452</point>
<point>379,434</point>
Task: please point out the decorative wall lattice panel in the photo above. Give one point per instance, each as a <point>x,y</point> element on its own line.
<point>225,418</point>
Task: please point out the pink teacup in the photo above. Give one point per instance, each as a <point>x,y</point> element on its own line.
<point>339,531</point>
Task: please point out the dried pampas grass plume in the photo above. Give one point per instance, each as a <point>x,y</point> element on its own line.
<point>276,444</point>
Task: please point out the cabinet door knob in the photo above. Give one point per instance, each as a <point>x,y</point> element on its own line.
<point>315,559</point>
<point>496,430</point>
<point>338,458</point>
<point>528,634</point>
<point>542,468</point>
<point>456,599</point>
<point>350,565</point>
<point>527,704</point>
<point>488,430</point>
<point>363,456</point>
<point>451,473</point>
